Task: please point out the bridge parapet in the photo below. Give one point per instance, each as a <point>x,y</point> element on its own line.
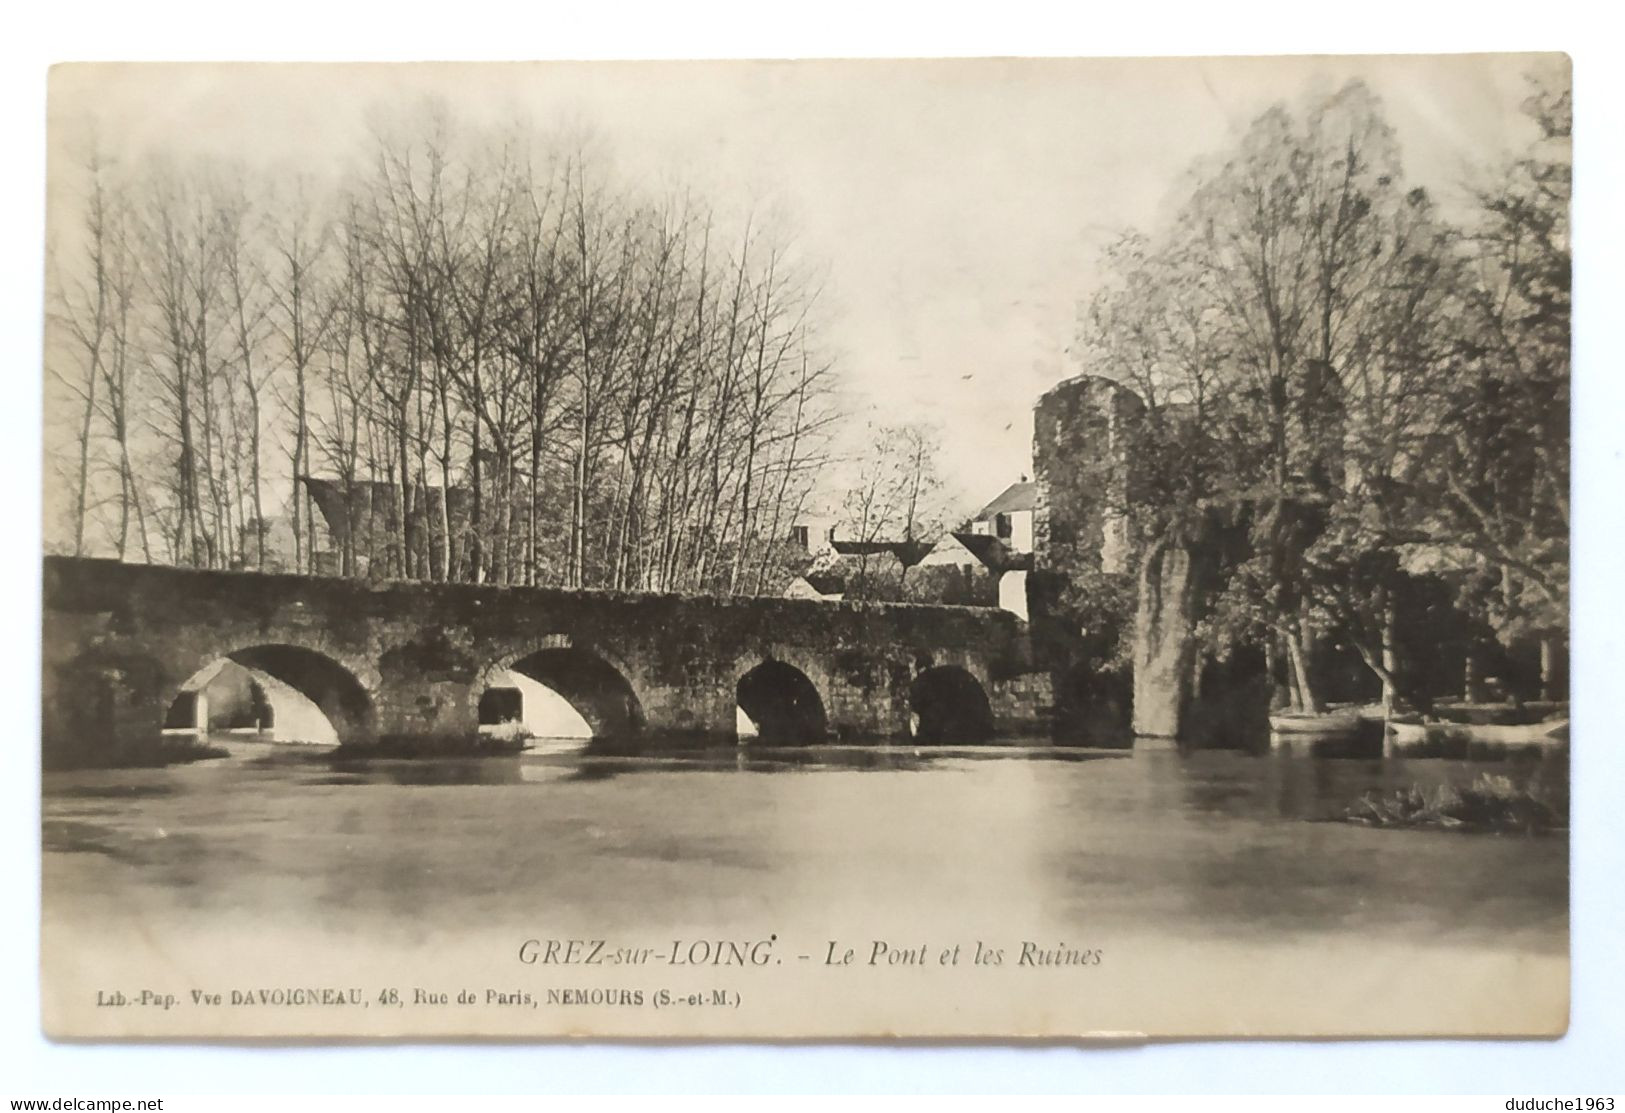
<point>408,660</point>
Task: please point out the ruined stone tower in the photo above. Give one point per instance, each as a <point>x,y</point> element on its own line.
<point>1084,431</point>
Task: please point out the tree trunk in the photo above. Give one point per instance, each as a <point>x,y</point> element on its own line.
<point>578,502</point>
<point>1164,640</point>
<point>1307,699</point>
<point>1550,688</point>
<point>403,525</point>
<point>254,465</point>
<point>301,509</point>
<point>1472,681</point>
<point>1280,693</point>
<point>123,505</point>
<point>1390,660</point>
<point>81,495</point>
<point>476,524</point>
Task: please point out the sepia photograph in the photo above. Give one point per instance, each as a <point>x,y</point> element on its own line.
<point>1002,549</point>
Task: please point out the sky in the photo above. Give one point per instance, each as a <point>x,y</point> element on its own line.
<point>956,210</point>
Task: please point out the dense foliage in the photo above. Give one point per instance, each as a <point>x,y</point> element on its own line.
<point>1372,391</point>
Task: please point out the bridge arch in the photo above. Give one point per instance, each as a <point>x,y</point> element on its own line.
<point>560,691</point>
<point>782,704</point>
<point>948,704</point>
<point>119,640</point>
<point>289,693</point>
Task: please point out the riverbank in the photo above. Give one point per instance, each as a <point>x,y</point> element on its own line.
<point>1461,731</point>
<point>1493,803</point>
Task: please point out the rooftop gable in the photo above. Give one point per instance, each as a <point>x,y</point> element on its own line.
<point>1016,497</point>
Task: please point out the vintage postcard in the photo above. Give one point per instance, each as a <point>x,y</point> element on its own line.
<point>1003,549</point>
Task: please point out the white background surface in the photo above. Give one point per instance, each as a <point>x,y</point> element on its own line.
<point>1590,1060</point>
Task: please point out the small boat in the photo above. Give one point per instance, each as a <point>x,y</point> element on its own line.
<point>1501,714</point>
<point>1408,734</point>
<point>1450,739</point>
<point>1553,732</point>
<point>1339,733</point>
<point>1326,724</point>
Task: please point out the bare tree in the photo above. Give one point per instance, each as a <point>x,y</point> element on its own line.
<point>306,303</point>
<point>512,365</point>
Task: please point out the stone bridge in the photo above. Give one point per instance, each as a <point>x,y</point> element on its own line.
<point>128,647</point>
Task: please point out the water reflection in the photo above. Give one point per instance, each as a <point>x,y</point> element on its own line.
<point>113,791</point>
<point>598,764</point>
<point>1205,844</point>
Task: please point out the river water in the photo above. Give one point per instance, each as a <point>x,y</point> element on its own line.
<point>1212,854</point>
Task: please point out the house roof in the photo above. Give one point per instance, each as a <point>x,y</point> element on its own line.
<point>815,587</point>
<point>908,553</point>
<point>950,550</point>
<point>993,552</point>
<point>861,548</point>
<point>1017,496</point>
<point>825,583</point>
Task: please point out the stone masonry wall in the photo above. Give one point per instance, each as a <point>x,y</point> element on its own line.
<point>120,640</point>
<point>1082,455</point>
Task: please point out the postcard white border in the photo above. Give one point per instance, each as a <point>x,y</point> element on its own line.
<point>1587,1061</point>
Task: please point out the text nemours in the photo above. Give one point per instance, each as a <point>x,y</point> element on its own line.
<point>579,953</point>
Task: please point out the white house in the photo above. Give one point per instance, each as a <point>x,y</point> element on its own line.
<point>813,535</point>
<point>1010,516</point>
